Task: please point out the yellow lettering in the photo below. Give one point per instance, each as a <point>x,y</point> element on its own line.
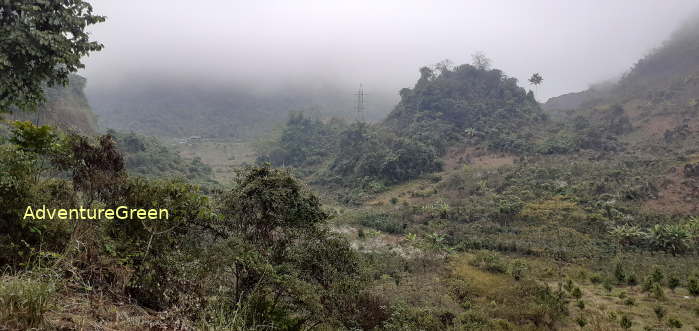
<point>29,213</point>
<point>122,212</point>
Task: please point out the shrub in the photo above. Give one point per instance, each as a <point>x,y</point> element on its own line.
<point>607,286</point>
<point>581,321</point>
<point>674,323</point>
<point>657,291</point>
<point>632,280</point>
<point>625,322</point>
<point>693,286</point>
<point>659,312</point>
<point>382,222</point>
<point>518,269</point>
<point>673,282</point>
<point>619,273</point>
<point>657,275</point>
<point>489,261</point>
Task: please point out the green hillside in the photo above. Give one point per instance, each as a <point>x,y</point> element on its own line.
<point>469,207</point>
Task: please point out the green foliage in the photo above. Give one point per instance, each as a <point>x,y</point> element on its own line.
<point>265,203</point>
<point>382,222</point>
<point>43,42</point>
<point>444,104</point>
<point>305,142</point>
<point>359,155</point>
<point>489,261</point>
<point>673,282</point>
<point>671,238</point>
<point>31,138</point>
<point>632,280</point>
<point>496,263</point>
<point>147,156</point>
<point>368,152</point>
<point>625,322</point>
<point>576,293</point>
<point>693,286</point>
<point>619,272</point>
<point>657,275</point>
<point>96,167</point>
<point>581,321</point>
<point>20,187</point>
<point>277,247</point>
<point>561,143</point>
<point>660,312</point>
<point>674,323</point>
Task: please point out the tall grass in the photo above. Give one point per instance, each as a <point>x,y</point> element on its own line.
<point>23,301</point>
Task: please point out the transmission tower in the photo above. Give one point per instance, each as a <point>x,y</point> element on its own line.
<point>360,104</point>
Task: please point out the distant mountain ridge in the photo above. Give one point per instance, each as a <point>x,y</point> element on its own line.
<point>186,108</point>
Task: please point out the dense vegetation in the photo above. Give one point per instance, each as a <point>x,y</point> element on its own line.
<point>268,258</point>
<point>447,105</point>
<point>147,156</point>
<point>468,208</point>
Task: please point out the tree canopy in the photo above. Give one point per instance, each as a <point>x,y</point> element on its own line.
<point>41,42</point>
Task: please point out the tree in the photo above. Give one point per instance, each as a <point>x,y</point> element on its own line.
<point>41,42</point>
<point>32,139</point>
<point>480,61</point>
<point>536,80</point>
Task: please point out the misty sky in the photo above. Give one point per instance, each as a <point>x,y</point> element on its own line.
<point>379,43</point>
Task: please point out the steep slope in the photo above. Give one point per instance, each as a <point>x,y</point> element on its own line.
<point>654,112</point>
<point>65,107</point>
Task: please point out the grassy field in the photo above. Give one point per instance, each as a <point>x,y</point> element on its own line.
<point>221,155</point>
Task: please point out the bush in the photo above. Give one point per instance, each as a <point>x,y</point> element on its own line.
<point>581,321</point>
<point>619,273</point>
<point>382,222</point>
<point>673,282</point>
<point>20,187</point>
<point>660,312</point>
<point>693,286</point>
<point>625,322</point>
<point>489,261</point>
<point>674,323</point>
<point>631,280</point>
